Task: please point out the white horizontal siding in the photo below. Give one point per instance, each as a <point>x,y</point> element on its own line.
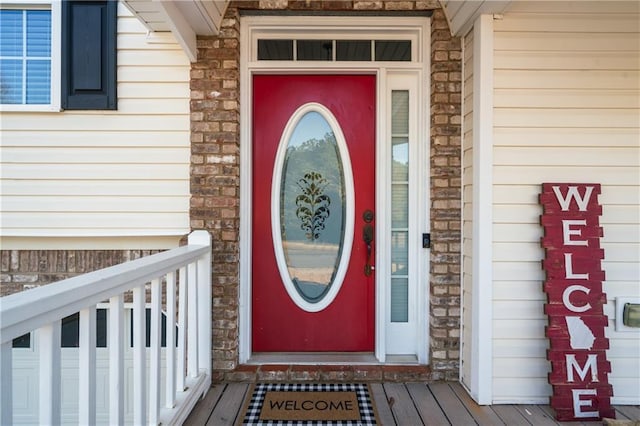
<point>522,18</point>
<point>91,120</point>
<point>515,391</point>
<point>515,233</point>
<point>43,188</point>
<point>578,61</point>
<point>154,41</point>
<point>611,8</point>
<point>95,155</point>
<point>79,174</point>
<point>90,171</point>
<point>560,156</point>
<point>150,58</point>
<point>108,138</point>
<point>566,109</point>
<point>566,42</point>
<point>567,118</point>
<point>151,90</point>
<point>65,224</point>
<point>546,137</point>
<point>520,348</point>
<point>607,174</point>
<point>527,194</point>
<point>91,204</point>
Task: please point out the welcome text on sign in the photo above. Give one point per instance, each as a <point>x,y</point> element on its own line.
<point>575,300</point>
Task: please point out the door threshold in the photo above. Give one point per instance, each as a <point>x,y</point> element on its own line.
<point>328,358</point>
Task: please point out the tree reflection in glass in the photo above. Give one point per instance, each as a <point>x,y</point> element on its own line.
<point>312,206</point>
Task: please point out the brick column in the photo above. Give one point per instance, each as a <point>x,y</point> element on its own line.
<point>215,176</point>
<point>446,86</point>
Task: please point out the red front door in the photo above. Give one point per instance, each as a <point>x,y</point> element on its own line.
<point>310,132</point>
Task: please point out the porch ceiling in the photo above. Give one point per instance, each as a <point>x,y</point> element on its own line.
<point>185,18</point>
<point>461,14</point>
<point>188,18</point>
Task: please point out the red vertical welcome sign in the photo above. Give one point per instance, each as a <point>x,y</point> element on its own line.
<point>575,301</point>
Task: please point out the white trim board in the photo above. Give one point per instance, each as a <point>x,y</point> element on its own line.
<point>482,315</point>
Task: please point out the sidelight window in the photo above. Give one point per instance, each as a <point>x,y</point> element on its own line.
<point>399,205</point>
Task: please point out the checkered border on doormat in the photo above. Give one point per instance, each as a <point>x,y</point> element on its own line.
<point>367,411</point>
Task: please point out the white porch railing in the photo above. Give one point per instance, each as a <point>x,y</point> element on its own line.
<point>182,374</point>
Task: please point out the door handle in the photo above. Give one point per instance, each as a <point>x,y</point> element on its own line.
<point>367,236</point>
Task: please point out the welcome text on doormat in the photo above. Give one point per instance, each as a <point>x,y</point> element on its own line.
<point>309,404</point>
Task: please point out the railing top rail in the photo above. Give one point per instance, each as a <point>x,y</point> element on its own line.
<point>23,312</point>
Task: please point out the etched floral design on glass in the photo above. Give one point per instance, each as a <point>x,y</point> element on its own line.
<point>312,206</point>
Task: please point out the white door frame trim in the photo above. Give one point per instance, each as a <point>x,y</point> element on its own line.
<point>415,28</point>
<point>482,282</point>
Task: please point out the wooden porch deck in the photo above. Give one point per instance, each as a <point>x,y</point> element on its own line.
<point>403,404</point>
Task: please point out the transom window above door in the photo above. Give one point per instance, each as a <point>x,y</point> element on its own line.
<point>334,50</point>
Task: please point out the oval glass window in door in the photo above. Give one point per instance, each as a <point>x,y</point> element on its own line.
<point>312,207</point>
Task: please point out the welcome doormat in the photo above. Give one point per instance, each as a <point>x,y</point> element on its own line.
<point>310,404</point>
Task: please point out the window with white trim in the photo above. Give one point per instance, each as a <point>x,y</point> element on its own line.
<point>58,55</point>
<point>26,51</point>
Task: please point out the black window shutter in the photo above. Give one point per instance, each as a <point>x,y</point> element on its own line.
<point>89,54</point>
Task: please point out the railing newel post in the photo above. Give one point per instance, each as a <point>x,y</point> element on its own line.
<point>204,301</point>
<point>6,383</point>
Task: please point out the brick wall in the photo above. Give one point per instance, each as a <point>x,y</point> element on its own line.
<point>215,174</point>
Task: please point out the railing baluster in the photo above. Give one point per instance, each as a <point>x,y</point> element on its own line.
<point>170,392</point>
<point>154,358</point>
<point>49,340</point>
<point>87,367</point>
<point>192,318</point>
<point>182,329</point>
<point>139,357</point>
<point>6,384</point>
<point>116,360</point>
